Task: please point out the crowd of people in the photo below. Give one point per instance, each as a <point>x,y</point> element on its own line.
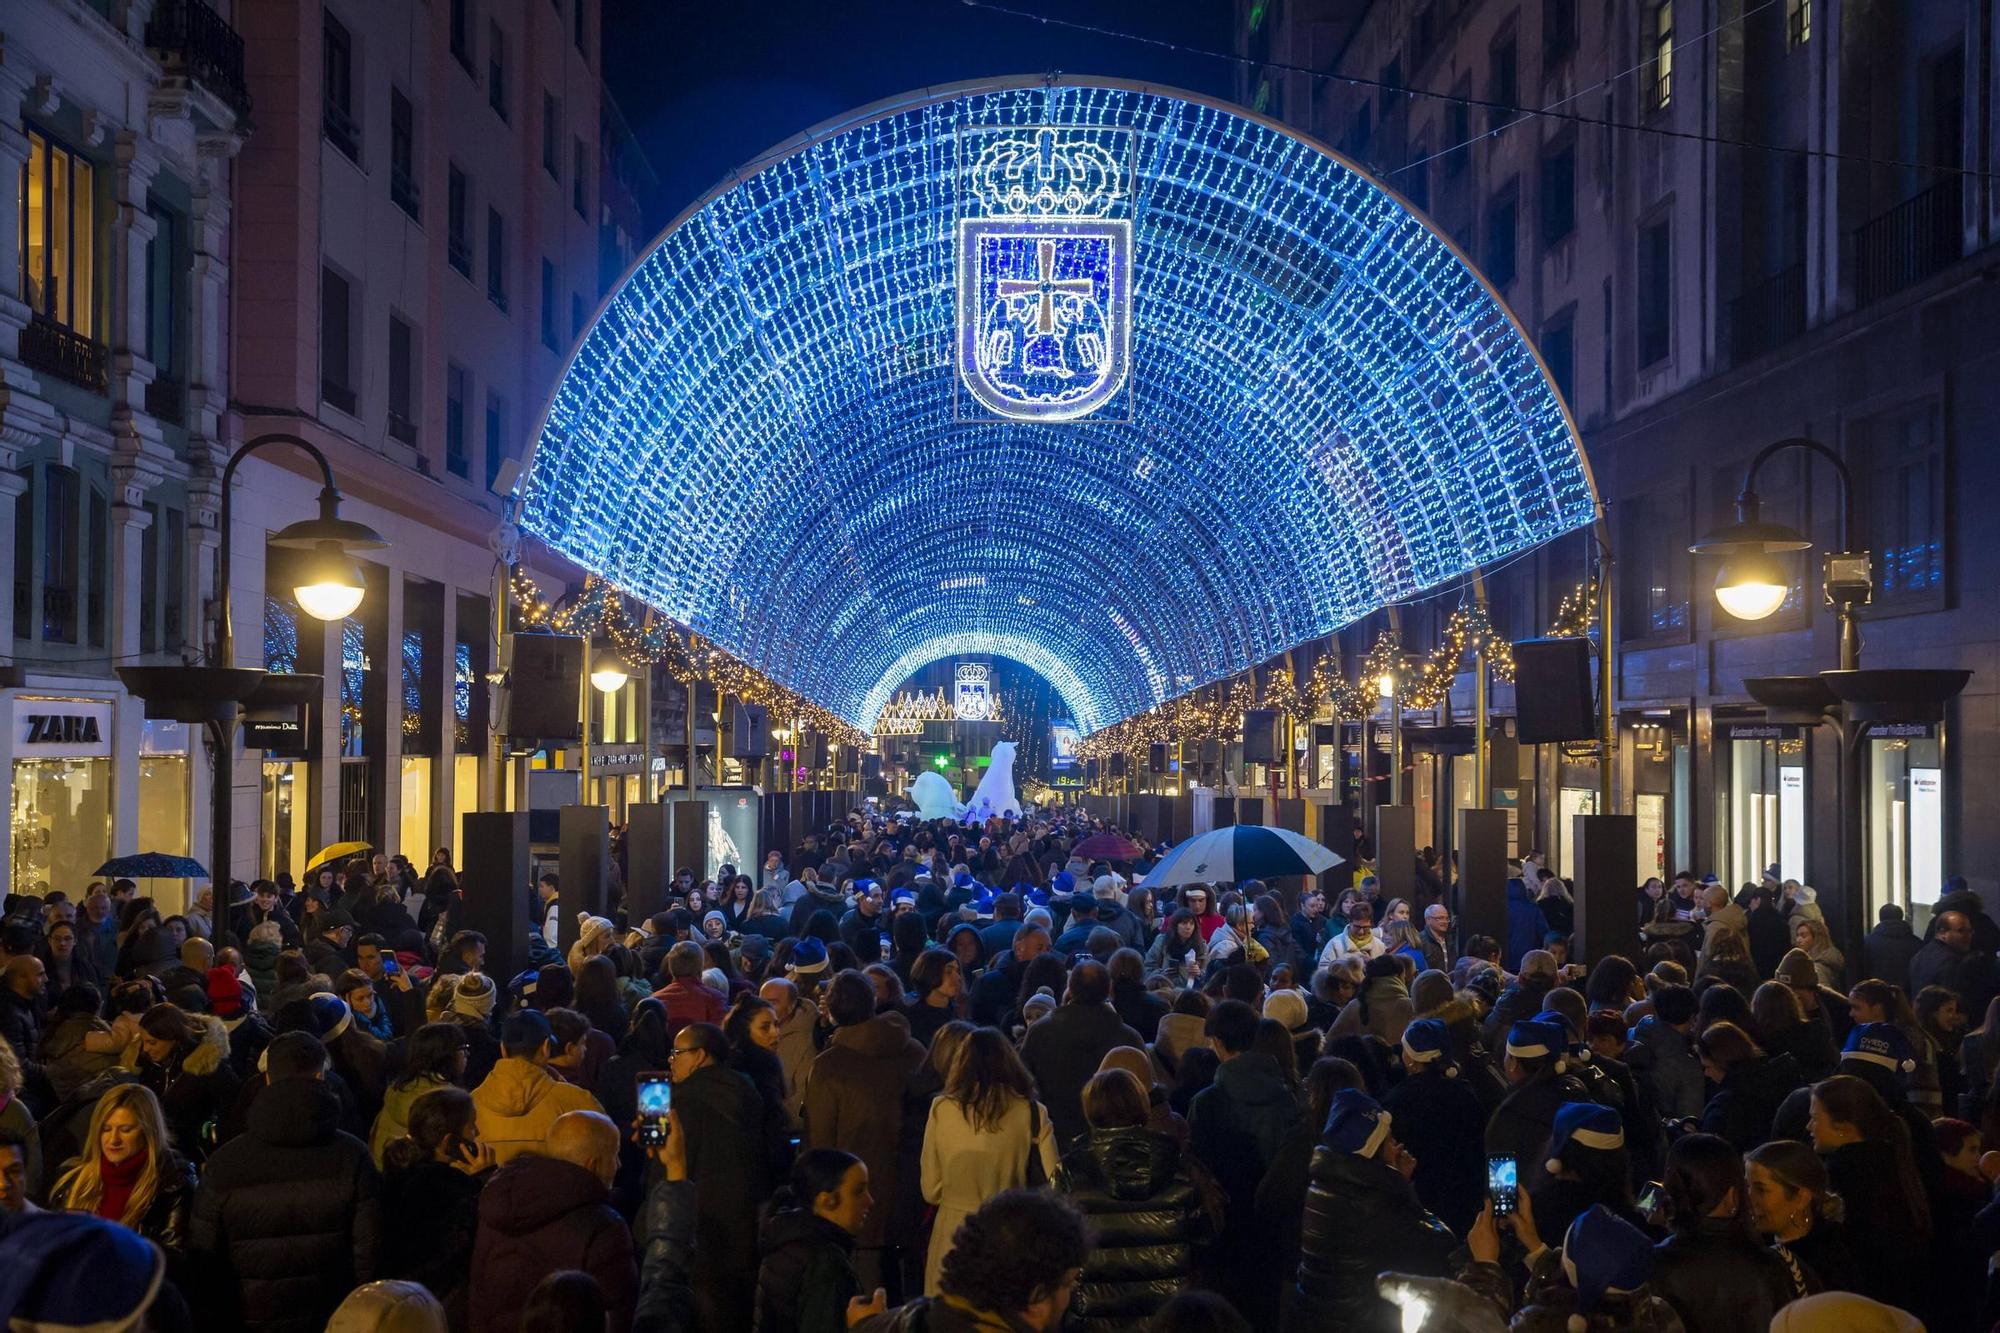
<point>932,1077</point>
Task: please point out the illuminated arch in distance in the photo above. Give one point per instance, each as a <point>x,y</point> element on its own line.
<point>764,433</point>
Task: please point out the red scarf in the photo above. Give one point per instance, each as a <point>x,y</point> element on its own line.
<point>118,1179</point>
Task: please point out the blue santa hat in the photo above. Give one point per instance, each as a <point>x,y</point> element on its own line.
<point>962,880</point>
<point>1536,1039</point>
<point>1063,885</point>
<point>982,903</point>
<point>1355,1123</point>
<point>75,1271</point>
<point>330,1014</point>
<point>1604,1255</point>
<point>1427,1040</point>
<point>1586,1124</point>
<point>1037,897</point>
<point>1880,1044</point>
<point>902,896</point>
<point>808,957</point>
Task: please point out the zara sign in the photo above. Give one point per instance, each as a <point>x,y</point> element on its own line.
<point>61,728</point>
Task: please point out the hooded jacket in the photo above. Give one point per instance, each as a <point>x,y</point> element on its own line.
<point>1389,1011</point>
<point>287,1215</point>
<point>1663,1058</point>
<point>539,1216</point>
<point>195,1086</point>
<point>724,1120</point>
<point>1439,1118</point>
<point>854,1102</point>
<point>1886,952</point>
<point>1235,1128</point>
<point>1149,1216</point>
<point>1361,1218</point>
<point>1720,1279</point>
<point>1063,1051</point>
<point>1525,924</point>
<point>807,1275</point>
<point>518,1102</point>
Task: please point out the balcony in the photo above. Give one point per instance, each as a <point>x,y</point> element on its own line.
<point>190,38</point>
<point>166,400</point>
<point>342,130</point>
<point>1769,315</point>
<point>1910,242</point>
<point>405,193</point>
<point>56,350</point>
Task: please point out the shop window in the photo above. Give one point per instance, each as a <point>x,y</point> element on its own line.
<point>1903,824</point>
<point>1900,464</point>
<point>1761,802</point>
<point>60,816</point>
<point>163,787</point>
<point>283,804</point>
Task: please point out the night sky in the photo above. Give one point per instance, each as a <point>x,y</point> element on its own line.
<point>708,86</point>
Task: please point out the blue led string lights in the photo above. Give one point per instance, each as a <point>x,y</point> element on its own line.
<point>1121,384</point>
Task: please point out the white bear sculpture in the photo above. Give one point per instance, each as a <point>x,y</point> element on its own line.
<point>934,797</point>
<point>995,794</point>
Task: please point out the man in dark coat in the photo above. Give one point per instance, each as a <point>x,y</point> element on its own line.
<point>1235,1127</point>
<point>722,1117</point>
<point>287,1214</point>
<point>864,925</point>
<point>1886,951</point>
<point>1523,999</point>
<point>1535,1068</point>
<point>999,936</point>
<point>21,984</point>
<point>549,1214</point>
<point>1959,898</point>
<point>993,994</point>
<point>1770,938</point>
<point>854,1102</point>
<point>1065,1049</point>
<point>1948,959</point>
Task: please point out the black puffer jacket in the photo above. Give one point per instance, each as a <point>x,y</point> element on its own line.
<point>1362,1218</point>
<point>287,1215</point>
<point>1721,1280</point>
<point>1149,1213</point>
<point>166,1219</point>
<point>807,1276</point>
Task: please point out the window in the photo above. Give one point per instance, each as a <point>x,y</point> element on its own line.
<point>1458,126</point>
<point>1558,31</point>
<point>578,178</point>
<point>1659,86</point>
<point>24,556</point>
<point>1416,179</point>
<point>59,236</point>
<point>496,258</point>
<point>1798,22</point>
<point>1654,600</point>
<point>1390,81</point>
<point>457,389</point>
<point>1504,87</point>
<point>1901,465</point>
<point>403,187</point>
<point>337,89</point>
<point>163,270</point>
<point>160,594</point>
<point>461,34</point>
<point>496,69</point>
<point>551,138</point>
<point>1502,222</point>
<point>97,597</point>
<point>336,340</point>
<point>1558,346</point>
<point>1558,193</point>
<point>402,381</point>
<point>578,8</point>
<point>496,437</point>
<point>575,316</point>
<point>60,551</point>
<point>550,339</point>
<point>1655,282</point>
<point>458,220</point>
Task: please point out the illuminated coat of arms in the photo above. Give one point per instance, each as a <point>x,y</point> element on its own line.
<point>1045,276</point>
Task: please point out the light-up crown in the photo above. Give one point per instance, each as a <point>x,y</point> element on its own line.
<point>1047,176</point>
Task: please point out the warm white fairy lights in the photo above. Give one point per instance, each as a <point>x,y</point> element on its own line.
<point>1321,409</point>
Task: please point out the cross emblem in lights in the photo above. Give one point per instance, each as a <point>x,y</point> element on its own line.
<point>1045,287</point>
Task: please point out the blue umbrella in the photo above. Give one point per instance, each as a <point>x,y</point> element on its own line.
<point>152,865</point>
<point>1245,851</point>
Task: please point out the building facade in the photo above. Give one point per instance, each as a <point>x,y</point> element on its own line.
<point>1729,224</point>
<point>375,228</point>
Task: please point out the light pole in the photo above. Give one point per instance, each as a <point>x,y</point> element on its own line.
<point>607,675</point>
<point>327,583</point>
<point>1385,686</point>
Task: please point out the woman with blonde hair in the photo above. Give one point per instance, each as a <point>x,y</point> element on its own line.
<point>129,1173</point>
<point>987,1133</point>
<point>1809,934</point>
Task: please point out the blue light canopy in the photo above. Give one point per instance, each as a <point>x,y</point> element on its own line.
<point>1127,386</point>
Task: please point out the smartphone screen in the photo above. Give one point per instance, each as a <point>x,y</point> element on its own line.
<point>1503,1183</point>
<point>656,1098</point>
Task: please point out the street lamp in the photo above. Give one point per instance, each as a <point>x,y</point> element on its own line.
<point>609,676</point>
<point>327,583</point>
<point>1385,686</point>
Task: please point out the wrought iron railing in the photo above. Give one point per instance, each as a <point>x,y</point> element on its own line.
<point>191,36</point>
<point>66,354</point>
<point>1913,240</point>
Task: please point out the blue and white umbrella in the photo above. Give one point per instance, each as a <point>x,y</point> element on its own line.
<point>1245,851</point>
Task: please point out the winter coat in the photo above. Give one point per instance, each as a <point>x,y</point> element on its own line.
<point>539,1216</point>
<point>1744,1106</point>
<point>1064,1050</point>
<point>1810,1045</point>
<point>68,1065</point>
<point>961,1167</point>
<point>260,960</point>
<point>1520,1127</point>
<point>166,1220</point>
<point>1235,1128</point>
<point>1149,1216</point>
<point>1141,1008</point>
<point>1439,1118</point>
<point>1362,1217</point>
<point>195,1086</point>
<point>690,1002</point>
<point>1887,950</point>
<point>392,1122</point>
<point>518,1102</point>
<point>723,1118</point>
<point>249,1034</point>
<point>1549,1303</point>
<point>287,1216</point>
<point>1166,955</point>
<point>1720,1279</point>
<point>1970,975</point>
<point>807,1274</point>
<point>430,1219</point>
<point>1664,1060</point>
<point>1525,925</point>
<point>796,1052</point>
<point>1891,1263</point>
<point>854,1102</point>
<point>1389,1011</point>
<point>1521,1000</point>
<point>1770,938</point>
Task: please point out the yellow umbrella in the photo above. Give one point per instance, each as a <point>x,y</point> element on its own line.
<point>337,851</point>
